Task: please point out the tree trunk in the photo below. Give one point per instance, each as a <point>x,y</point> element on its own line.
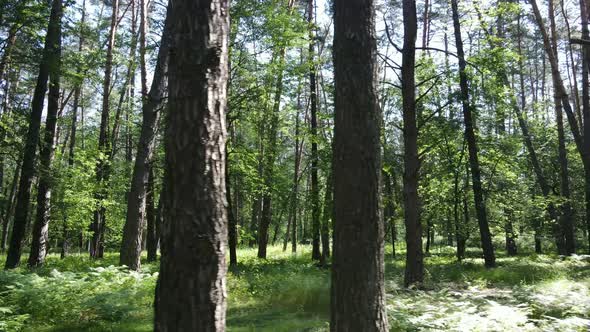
<point>39,245</point>
<point>150,215</point>
<point>9,208</point>
<point>294,206</point>
<point>28,171</point>
<point>315,190</point>
<point>358,295</point>
<point>480,208</point>
<point>586,109</point>
<point>191,289</point>
<point>328,214</point>
<point>232,222</point>
<point>134,222</point>
<point>564,230</point>
<point>102,167</point>
<point>389,210</point>
<point>414,272</point>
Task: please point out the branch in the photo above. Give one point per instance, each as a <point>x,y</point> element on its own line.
<point>580,41</point>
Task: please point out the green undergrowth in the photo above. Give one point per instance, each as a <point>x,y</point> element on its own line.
<point>289,293</point>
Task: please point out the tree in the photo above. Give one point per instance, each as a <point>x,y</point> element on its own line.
<point>134,223</point>
<point>414,273</point>
<point>357,295</point>
<point>191,290</point>
<point>39,245</point>
<point>28,171</point>
<point>102,167</point>
<point>484,228</point>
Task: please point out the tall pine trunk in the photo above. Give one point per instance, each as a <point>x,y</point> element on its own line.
<point>191,289</point>
<point>357,294</point>
<point>414,272</point>
<point>152,102</point>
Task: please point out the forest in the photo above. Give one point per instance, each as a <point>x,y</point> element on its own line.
<point>295,165</point>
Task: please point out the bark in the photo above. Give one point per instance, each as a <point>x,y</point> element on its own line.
<point>102,167</point>
<point>134,222</point>
<point>586,110</point>
<point>232,222</point>
<point>315,191</point>
<point>357,294</point>
<point>480,208</point>
<point>327,217</point>
<point>39,244</point>
<point>414,272</point>
<point>191,289</point>
<point>150,215</point>
<point>28,171</point>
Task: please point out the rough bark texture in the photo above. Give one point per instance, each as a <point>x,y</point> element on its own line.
<point>191,290</point>
<point>39,245</point>
<point>480,208</point>
<point>357,293</point>
<point>134,222</point>
<point>414,272</point>
<point>28,171</point>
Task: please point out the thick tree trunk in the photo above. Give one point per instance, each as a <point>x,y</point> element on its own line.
<point>358,295</point>
<point>134,222</point>
<point>102,167</point>
<point>480,208</point>
<point>191,289</point>
<point>39,245</point>
<point>414,272</point>
<point>28,170</point>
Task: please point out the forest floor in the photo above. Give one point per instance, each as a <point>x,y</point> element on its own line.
<point>289,293</point>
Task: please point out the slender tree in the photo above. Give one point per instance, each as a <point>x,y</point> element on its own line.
<point>480,208</point>
<point>414,273</point>
<point>102,167</point>
<point>358,296</point>
<point>134,222</point>
<point>191,290</point>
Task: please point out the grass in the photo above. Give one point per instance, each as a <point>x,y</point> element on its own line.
<point>289,293</point>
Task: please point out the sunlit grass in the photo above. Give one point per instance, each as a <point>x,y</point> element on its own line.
<point>287,292</point>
